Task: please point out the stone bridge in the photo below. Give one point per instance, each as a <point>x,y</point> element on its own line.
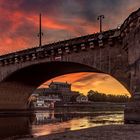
<point>114,52</point>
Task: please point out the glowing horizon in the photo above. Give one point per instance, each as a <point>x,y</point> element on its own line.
<point>83,82</point>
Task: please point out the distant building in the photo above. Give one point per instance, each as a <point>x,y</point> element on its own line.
<point>58,89</point>
<point>82,99</point>
<point>46,101</point>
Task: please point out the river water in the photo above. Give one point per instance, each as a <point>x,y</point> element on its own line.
<point>49,122</point>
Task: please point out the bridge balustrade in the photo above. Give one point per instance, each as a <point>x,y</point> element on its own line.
<point>60,51</point>
<point>21,58</point>
<point>110,41</point>
<point>91,45</point>
<point>83,48</point>
<point>16,60</point>
<point>52,52</point>
<point>75,48</point>
<point>33,56</point>
<point>100,43</point>
<point>67,50</point>
<point>58,48</point>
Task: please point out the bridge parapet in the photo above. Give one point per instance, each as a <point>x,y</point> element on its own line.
<point>84,43</point>
<point>132,22</point>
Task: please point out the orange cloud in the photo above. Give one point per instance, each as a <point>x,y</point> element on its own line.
<point>19,20</point>
<point>97,82</point>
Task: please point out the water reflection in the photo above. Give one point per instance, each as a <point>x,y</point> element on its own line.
<point>14,127</point>
<point>48,122</point>
<point>65,121</point>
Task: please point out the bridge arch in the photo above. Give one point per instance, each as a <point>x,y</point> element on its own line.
<point>36,74</point>
<point>17,87</point>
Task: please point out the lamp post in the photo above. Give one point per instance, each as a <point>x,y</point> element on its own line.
<point>100,18</point>
<point>40,34</point>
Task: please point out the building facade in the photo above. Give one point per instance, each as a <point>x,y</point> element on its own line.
<point>60,89</point>
<point>82,99</point>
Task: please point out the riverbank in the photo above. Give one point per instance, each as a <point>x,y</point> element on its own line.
<point>110,132</point>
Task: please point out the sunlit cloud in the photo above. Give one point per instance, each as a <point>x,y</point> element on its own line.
<point>61,19</point>
<point>84,82</point>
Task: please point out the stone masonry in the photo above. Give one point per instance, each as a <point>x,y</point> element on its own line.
<point>115,52</point>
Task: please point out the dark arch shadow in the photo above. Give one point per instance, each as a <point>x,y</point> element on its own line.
<point>37,74</point>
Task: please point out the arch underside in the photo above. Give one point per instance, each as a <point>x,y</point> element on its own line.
<point>17,87</point>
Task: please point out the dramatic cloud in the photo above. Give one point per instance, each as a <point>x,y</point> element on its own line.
<point>84,82</point>
<point>62,19</point>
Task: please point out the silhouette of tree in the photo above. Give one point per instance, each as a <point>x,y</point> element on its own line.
<point>101,97</point>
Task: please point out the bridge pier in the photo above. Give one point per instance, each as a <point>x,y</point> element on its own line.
<point>132,110</point>
<point>14,97</point>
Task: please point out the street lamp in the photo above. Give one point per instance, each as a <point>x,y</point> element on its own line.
<point>40,34</point>
<point>100,18</point>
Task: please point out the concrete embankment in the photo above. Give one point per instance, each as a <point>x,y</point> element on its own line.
<point>92,106</point>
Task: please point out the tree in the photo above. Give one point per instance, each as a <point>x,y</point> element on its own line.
<point>101,97</point>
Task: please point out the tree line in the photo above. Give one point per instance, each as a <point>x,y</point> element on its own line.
<point>101,97</point>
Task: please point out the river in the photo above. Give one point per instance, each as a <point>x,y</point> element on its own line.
<point>49,122</point>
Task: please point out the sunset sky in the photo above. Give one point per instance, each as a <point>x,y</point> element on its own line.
<point>62,19</point>
<point>84,82</point>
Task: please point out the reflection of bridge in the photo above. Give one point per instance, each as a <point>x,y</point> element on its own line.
<point>115,52</point>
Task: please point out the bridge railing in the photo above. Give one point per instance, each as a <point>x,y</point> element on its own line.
<point>58,48</point>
